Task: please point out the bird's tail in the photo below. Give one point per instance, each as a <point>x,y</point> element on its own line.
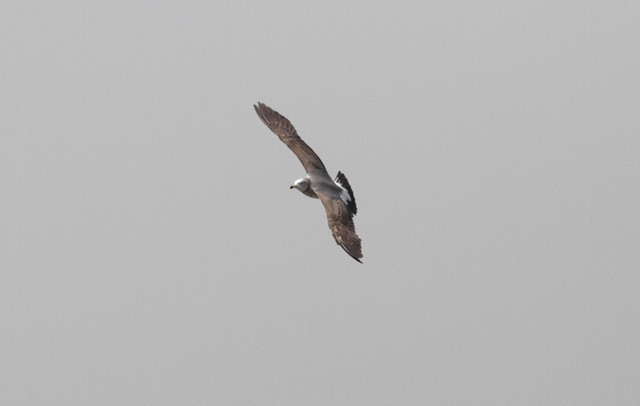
<point>351,203</point>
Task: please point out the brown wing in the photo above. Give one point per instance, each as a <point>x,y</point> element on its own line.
<point>342,227</point>
<point>285,131</point>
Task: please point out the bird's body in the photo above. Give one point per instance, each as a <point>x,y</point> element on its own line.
<point>336,196</point>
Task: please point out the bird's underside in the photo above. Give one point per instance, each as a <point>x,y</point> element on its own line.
<point>336,196</point>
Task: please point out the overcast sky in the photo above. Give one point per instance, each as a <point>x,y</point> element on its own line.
<point>153,254</point>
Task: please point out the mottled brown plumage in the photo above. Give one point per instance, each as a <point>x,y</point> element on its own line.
<point>337,196</point>
<point>285,131</point>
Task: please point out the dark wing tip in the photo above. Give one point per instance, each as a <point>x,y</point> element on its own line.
<point>348,240</point>
<point>262,110</point>
<point>260,106</point>
<point>276,122</point>
<point>357,258</point>
<point>354,256</point>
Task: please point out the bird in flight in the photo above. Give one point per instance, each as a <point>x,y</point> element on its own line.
<point>336,196</point>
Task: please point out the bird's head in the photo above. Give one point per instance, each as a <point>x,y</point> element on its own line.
<point>300,184</point>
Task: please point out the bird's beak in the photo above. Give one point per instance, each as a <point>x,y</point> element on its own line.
<point>292,187</point>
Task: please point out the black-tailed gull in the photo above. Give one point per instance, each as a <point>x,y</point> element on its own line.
<point>336,196</point>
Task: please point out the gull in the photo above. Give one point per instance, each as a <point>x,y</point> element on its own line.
<point>336,195</point>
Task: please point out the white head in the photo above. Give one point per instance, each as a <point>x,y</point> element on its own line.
<point>300,184</point>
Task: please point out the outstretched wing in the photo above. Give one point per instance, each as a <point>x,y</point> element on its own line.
<point>285,131</point>
<point>342,227</point>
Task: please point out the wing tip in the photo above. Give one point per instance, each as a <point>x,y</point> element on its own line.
<point>352,244</point>
<point>357,258</point>
<point>275,121</point>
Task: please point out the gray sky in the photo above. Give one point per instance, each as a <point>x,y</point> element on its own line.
<point>152,252</point>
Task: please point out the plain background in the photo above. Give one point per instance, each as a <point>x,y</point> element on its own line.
<point>153,254</point>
